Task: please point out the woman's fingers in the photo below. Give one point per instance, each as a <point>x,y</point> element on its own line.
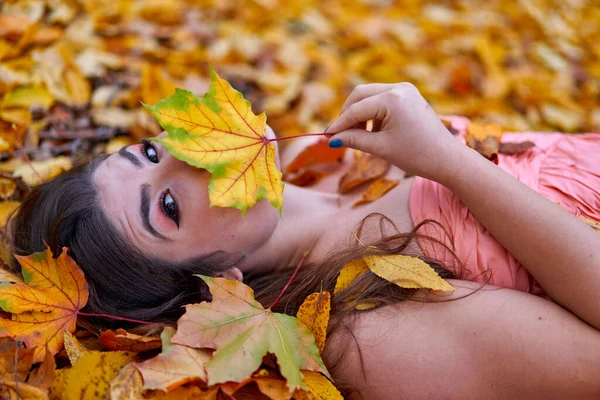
<point>370,108</point>
<point>363,91</point>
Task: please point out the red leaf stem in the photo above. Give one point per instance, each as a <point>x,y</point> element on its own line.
<point>108,316</point>
<point>290,281</point>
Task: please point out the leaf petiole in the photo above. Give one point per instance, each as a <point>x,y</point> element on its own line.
<point>290,281</point>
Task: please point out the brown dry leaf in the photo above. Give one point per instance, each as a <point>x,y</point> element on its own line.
<point>174,366</point>
<point>484,138</point>
<point>43,376</point>
<point>11,351</point>
<point>127,385</point>
<point>591,222</point>
<point>314,314</point>
<point>316,153</point>
<point>365,168</point>
<point>319,388</point>
<point>375,190</point>
<point>406,272</point>
<point>515,148</point>
<point>125,341</point>
<point>307,178</point>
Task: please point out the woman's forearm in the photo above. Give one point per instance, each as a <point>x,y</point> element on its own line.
<point>561,252</point>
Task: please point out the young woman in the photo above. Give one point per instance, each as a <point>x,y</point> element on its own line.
<point>138,224</point>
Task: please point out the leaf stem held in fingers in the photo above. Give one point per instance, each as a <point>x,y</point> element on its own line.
<point>290,281</point>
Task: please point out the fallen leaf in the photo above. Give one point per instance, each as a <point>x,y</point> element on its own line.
<point>125,341</point>
<point>375,190</point>
<point>155,84</point>
<point>242,332</point>
<point>46,170</point>
<point>90,377</point>
<point>7,276</point>
<point>7,188</point>
<point>56,286</point>
<point>25,97</point>
<point>348,274</point>
<point>43,376</point>
<point>319,388</point>
<point>74,349</point>
<point>515,148</point>
<point>319,152</point>
<point>186,393</point>
<point>591,222</point>
<point>6,209</point>
<point>407,272</point>
<point>219,133</point>
<point>365,168</point>
<point>11,351</point>
<point>176,365</point>
<point>127,385</point>
<point>314,314</point>
<point>485,139</point>
<point>307,178</point>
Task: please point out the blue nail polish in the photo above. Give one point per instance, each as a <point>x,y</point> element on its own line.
<point>335,143</point>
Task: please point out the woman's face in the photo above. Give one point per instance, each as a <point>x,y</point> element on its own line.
<point>160,204</point>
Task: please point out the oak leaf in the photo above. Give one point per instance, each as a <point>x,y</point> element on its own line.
<point>175,365</point>
<point>375,190</point>
<point>365,168</point>
<point>407,272</point>
<point>314,314</point>
<point>220,133</point>
<point>316,153</point>
<point>125,341</point>
<point>242,332</point>
<point>45,304</point>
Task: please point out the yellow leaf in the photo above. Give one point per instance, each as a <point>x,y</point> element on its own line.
<point>319,388</point>
<point>348,274</point>
<point>314,313</point>
<point>367,305</point>
<point>116,143</point>
<point>155,84</point>
<point>591,222</point>
<point>90,377</point>
<point>407,272</point>
<point>74,349</point>
<point>28,96</point>
<point>45,169</point>
<point>16,116</point>
<point>221,134</point>
<point>6,209</point>
<point>7,276</point>
<point>7,188</point>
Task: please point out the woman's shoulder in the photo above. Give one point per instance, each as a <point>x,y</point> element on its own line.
<point>494,342</point>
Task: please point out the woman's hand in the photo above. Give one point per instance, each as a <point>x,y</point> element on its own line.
<point>406,131</point>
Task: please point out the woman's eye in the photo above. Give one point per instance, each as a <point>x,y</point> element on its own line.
<point>169,207</point>
<point>149,151</point>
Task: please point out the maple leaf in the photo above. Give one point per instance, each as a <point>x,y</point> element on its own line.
<point>318,152</point>
<point>45,303</point>
<point>314,313</point>
<point>366,167</point>
<point>220,133</point>
<point>175,365</point>
<point>378,188</point>
<point>242,332</point>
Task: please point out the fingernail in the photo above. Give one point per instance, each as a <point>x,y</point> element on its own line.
<point>335,143</point>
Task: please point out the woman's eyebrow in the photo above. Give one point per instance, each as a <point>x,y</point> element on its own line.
<point>145,212</point>
<point>129,156</point>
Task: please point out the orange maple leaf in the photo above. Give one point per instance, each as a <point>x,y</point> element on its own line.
<point>45,303</point>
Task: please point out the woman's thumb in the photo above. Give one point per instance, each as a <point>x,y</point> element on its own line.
<point>354,138</point>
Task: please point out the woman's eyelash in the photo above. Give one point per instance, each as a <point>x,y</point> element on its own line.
<point>149,151</point>
<point>169,207</point>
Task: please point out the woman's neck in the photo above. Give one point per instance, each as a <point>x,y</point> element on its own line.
<point>307,215</point>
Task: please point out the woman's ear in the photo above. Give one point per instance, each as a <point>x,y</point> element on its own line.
<point>233,273</point>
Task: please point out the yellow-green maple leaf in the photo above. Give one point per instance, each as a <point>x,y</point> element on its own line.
<point>220,133</point>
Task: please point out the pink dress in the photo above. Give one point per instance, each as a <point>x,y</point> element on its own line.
<point>563,168</point>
